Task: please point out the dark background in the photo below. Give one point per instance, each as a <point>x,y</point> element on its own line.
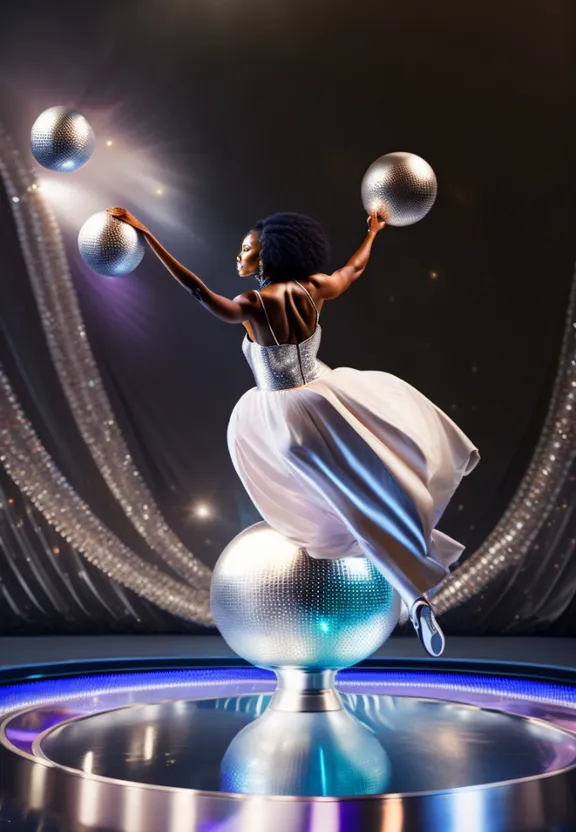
<point>249,107</point>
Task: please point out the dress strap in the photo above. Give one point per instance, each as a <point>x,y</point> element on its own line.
<point>267,318</point>
<point>312,299</point>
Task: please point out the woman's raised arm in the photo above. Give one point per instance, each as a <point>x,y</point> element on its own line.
<point>231,311</point>
<point>332,285</point>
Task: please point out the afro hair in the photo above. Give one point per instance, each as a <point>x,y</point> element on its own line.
<point>294,246</point>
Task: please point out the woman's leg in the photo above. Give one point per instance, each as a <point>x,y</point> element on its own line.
<point>379,515</point>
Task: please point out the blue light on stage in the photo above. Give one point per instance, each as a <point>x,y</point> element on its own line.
<point>216,682</point>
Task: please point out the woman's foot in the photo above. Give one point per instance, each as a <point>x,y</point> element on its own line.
<point>427,628</point>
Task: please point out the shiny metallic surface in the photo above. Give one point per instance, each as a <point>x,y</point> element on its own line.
<point>401,187</point>
<point>429,745</point>
<point>173,765</point>
<point>306,691</point>
<point>283,366</point>
<point>109,246</point>
<point>277,607</point>
<point>62,139</point>
<point>308,754</point>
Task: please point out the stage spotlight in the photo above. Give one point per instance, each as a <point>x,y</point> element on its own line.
<point>202,511</point>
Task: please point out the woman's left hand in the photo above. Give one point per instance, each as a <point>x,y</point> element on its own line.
<point>125,216</point>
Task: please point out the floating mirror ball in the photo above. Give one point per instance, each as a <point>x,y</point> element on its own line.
<point>109,246</point>
<point>401,187</point>
<point>62,139</point>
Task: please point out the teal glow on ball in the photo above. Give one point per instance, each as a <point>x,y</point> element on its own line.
<point>278,607</point>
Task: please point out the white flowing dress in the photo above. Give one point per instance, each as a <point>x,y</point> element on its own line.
<point>347,462</point>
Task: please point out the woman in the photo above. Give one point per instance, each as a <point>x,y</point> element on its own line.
<point>342,462</point>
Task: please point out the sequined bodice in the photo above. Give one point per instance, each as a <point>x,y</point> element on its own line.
<point>282,366</point>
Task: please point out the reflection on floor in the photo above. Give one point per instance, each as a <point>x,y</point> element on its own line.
<point>144,738</point>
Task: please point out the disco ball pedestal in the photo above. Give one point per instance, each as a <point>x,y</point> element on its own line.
<point>305,690</point>
<point>302,617</point>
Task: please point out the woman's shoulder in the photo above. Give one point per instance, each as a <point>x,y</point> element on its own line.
<point>320,282</point>
<point>248,298</point>
<point>279,287</point>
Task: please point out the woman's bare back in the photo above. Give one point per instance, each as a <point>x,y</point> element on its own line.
<point>290,311</point>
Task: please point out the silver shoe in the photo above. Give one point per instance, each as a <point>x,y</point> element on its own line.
<point>427,628</point>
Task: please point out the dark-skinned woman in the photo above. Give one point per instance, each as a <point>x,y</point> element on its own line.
<point>342,462</point>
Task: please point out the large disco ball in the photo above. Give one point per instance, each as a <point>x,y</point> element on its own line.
<point>109,246</point>
<point>278,607</point>
<point>62,139</point>
<point>402,187</point>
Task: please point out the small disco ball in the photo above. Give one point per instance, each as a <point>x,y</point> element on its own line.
<point>109,246</point>
<point>402,187</point>
<point>62,139</point>
<point>278,607</point>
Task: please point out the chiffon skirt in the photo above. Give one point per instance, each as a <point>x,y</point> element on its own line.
<point>356,462</point>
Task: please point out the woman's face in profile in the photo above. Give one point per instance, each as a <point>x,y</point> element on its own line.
<point>248,256</point>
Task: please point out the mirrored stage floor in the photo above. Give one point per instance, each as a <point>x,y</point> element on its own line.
<point>198,749</point>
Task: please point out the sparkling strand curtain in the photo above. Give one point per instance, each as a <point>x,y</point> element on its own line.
<point>34,472</point>
<point>77,370</point>
<point>46,586</point>
<point>543,492</point>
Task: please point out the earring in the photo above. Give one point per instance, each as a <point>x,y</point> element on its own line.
<point>261,279</point>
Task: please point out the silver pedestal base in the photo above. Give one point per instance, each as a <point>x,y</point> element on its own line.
<point>305,691</point>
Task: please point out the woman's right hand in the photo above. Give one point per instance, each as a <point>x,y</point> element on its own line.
<point>376,222</point>
<point>125,216</point>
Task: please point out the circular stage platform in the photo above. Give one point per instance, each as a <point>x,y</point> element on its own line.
<point>196,749</point>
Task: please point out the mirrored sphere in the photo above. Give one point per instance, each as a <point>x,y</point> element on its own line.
<point>62,139</point>
<point>109,246</point>
<point>278,607</point>
<point>402,187</point>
